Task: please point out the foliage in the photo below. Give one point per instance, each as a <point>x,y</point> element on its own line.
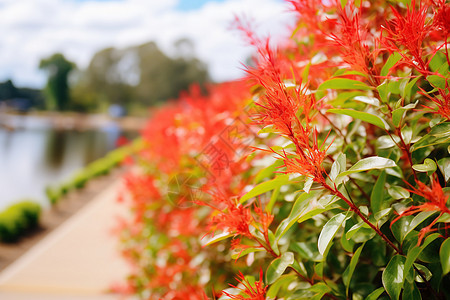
<point>99,167</point>
<point>12,94</point>
<point>140,75</point>
<point>58,69</point>
<point>323,174</point>
<point>17,219</point>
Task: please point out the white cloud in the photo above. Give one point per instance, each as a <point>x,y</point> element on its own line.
<point>34,29</point>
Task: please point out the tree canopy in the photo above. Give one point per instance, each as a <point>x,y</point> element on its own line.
<point>142,75</point>
<point>57,89</point>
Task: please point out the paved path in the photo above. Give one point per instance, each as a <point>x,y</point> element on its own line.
<point>78,260</point>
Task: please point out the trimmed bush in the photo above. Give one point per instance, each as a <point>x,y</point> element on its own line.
<point>17,219</point>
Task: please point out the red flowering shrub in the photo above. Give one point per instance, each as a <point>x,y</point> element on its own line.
<point>322,174</point>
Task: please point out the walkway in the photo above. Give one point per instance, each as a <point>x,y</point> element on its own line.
<point>78,260</point>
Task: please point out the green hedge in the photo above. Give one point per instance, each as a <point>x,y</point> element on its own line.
<point>17,219</point>
<point>99,167</point>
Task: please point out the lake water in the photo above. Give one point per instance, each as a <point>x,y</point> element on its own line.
<point>36,155</point>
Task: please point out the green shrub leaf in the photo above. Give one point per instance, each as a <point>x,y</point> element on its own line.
<point>444,166</point>
<point>343,84</point>
<point>439,134</point>
<point>444,254</point>
<point>414,252</point>
<point>391,61</point>
<point>398,192</point>
<point>265,187</point>
<point>397,114</point>
<point>281,282</point>
<point>348,273</point>
<point>329,231</point>
<point>437,81</point>
<point>278,266</point>
<point>377,195</point>
<point>428,166</point>
<point>365,164</point>
<point>363,116</point>
<point>375,294</point>
<point>393,276</point>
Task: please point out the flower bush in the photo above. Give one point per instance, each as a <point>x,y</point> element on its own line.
<point>322,174</point>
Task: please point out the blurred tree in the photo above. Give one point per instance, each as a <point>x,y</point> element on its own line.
<point>138,76</point>
<point>162,77</point>
<point>8,90</point>
<point>57,89</point>
<point>103,82</point>
<point>13,95</point>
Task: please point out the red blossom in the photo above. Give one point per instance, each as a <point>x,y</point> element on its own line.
<point>249,291</point>
<point>352,41</point>
<point>436,200</point>
<point>409,30</point>
<point>441,20</point>
<point>236,218</point>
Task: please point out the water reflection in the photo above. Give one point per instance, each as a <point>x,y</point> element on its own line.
<point>33,157</point>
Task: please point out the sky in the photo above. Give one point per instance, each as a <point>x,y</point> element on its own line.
<point>34,29</point>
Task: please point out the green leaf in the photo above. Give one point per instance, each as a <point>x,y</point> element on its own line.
<point>365,164</point>
<point>439,134</point>
<point>377,195</point>
<point>306,206</point>
<point>236,254</point>
<point>343,84</point>
<point>308,184</point>
<point>393,276</point>
<point>437,81</point>
<point>273,199</point>
<point>343,3</point>
<point>375,294</point>
<point>392,60</point>
<point>369,100</point>
<point>428,166</point>
<point>266,186</point>
<point>383,90</point>
<point>400,228</point>
<point>418,219</point>
<point>409,88</point>
<point>444,254</point>
<point>411,292</point>
<point>268,171</point>
<point>360,232</point>
<point>438,61</point>
<point>319,289</point>
<point>306,251</point>
<point>386,142</point>
<point>444,166</point>
<point>347,245</point>
<point>397,114</point>
<point>414,252</point>
<point>208,240</point>
<point>363,116</point>
<point>339,166</point>
<point>281,282</point>
<point>348,273</point>
<point>278,266</point>
<point>398,192</point>
<point>329,231</point>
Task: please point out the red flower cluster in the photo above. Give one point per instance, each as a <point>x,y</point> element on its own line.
<point>190,157</point>
<point>257,291</point>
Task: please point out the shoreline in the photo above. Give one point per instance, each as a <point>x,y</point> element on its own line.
<point>68,121</point>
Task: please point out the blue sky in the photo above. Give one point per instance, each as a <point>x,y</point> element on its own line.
<point>183,5</point>
<point>36,29</point>
<point>186,5</point>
